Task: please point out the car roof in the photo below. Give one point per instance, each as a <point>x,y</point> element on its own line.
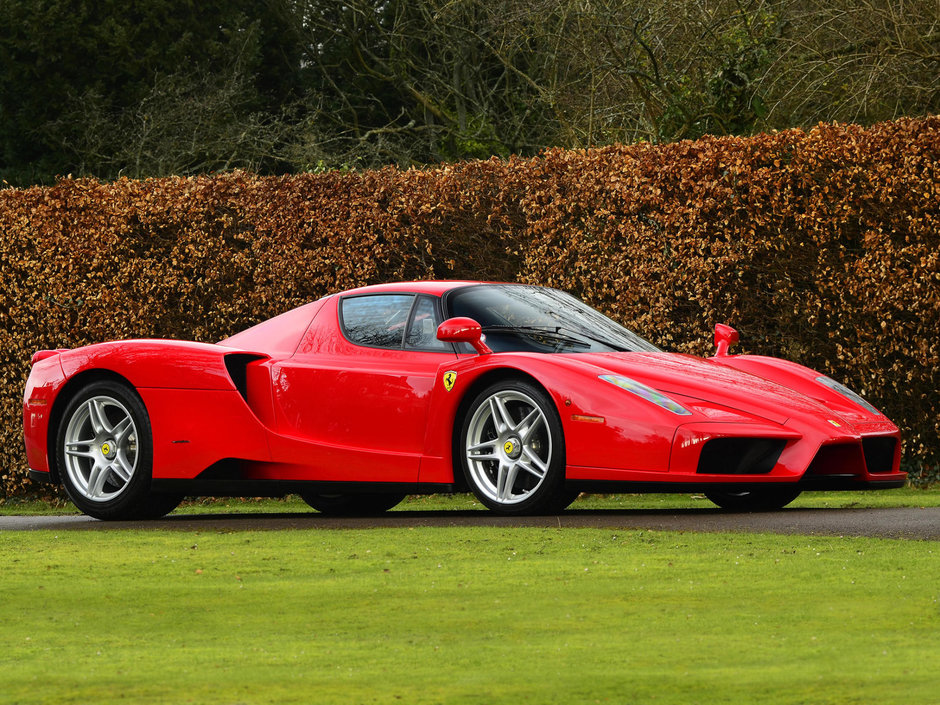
<point>435,288</point>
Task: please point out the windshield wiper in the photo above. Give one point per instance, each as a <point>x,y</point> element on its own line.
<point>602,341</point>
<point>546,331</point>
<point>556,331</point>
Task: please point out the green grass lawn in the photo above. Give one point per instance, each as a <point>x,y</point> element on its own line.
<point>903,497</point>
<point>466,615</point>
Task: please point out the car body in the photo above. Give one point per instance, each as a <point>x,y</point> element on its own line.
<point>522,394</point>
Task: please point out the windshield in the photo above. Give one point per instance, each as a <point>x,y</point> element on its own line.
<point>518,317</point>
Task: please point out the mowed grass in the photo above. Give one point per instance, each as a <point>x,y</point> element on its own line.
<point>466,615</point>
<point>902,497</point>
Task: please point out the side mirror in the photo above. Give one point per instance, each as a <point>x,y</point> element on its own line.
<point>725,337</point>
<point>463,330</point>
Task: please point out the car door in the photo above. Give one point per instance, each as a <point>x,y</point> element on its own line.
<point>358,393</point>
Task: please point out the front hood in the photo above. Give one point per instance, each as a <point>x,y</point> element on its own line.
<point>706,380</point>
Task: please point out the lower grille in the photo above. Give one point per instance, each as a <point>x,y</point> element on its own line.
<point>838,459</point>
<point>879,453</point>
<point>740,456</point>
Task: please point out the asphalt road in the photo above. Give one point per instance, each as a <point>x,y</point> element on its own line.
<point>907,523</point>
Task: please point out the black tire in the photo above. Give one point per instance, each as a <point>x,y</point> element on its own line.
<point>761,499</point>
<point>352,505</point>
<point>521,465</point>
<point>104,454</point>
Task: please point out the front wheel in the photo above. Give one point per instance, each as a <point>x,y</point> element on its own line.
<point>104,453</point>
<point>762,499</point>
<point>513,450</point>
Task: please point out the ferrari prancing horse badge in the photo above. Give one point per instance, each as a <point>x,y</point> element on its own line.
<point>449,379</point>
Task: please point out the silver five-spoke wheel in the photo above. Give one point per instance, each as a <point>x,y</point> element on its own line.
<point>509,448</point>
<point>100,448</point>
<point>513,450</point>
<point>104,453</point>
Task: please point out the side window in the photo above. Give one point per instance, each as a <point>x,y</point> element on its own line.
<point>422,332</point>
<point>378,321</point>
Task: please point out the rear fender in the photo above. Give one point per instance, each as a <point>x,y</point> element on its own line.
<point>205,401</point>
<point>40,404</point>
<point>166,364</point>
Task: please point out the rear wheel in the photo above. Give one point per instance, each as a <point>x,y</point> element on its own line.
<point>513,450</point>
<point>352,504</point>
<point>762,499</point>
<point>104,453</point>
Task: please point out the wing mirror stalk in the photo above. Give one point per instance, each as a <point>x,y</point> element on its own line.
<point>463,330</point>
<point>725,337</point>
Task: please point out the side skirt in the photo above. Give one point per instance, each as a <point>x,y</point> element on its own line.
<point>818,483</point>
<point>280,488</point>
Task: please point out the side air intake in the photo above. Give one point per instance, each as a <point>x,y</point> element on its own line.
<point>237,366</point>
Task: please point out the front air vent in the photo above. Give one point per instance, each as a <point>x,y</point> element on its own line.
<point>879,453</point>
<point>740,456</point>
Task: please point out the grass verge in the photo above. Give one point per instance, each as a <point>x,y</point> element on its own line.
<point>903,497</point>
<point>457,615</point>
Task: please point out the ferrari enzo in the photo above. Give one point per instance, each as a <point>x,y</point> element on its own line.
<point>521,394</point>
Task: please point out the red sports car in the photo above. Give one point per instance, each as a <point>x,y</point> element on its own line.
<point>521,394</point>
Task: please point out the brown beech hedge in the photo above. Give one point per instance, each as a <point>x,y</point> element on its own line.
<point>822,247</point>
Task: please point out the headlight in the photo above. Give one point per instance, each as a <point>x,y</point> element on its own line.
<point>848,394</point>
<point>648,393</point>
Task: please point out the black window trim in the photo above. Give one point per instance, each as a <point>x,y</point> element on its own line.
<point>415,296</point>
<point>438,309</point>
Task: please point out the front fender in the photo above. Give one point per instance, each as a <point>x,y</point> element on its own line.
<point>604,426</point>
<point>803,380</point>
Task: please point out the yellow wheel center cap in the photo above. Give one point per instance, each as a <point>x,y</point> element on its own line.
<point>512,448</point>
<point>106,449</point>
